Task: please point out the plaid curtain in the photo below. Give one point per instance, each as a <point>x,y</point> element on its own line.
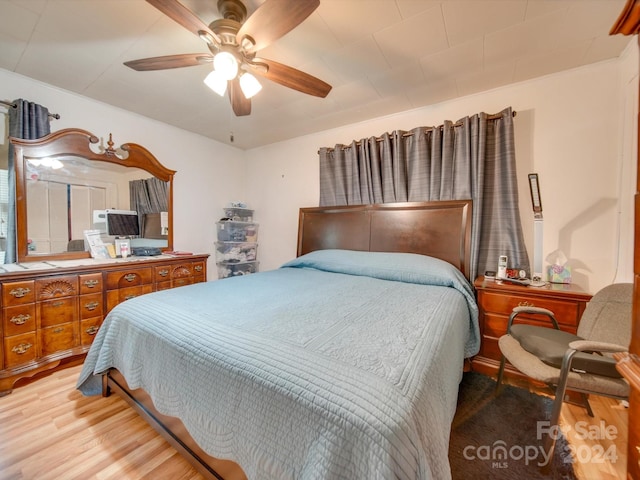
<point>473,158</point>
<point>149,195</point>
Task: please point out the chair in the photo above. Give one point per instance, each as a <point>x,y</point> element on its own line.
<point>575,362</point>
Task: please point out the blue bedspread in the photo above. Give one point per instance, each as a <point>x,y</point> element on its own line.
<point>339,365</point>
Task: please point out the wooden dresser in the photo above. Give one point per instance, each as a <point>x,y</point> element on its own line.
<point>497,299</point>
<point>50,316</point>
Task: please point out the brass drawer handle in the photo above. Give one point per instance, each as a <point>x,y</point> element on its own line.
<point>58,330</point>
<point>57,304</point>
<point>91,283</point>
<point>526,304</point>
<point>20,319</point>
<point>92,330</point>
<point>21,348</point>
<point>180,281</point>
<point>163,273</point>
<point>19,292</point>
<point>198,268</point>
<point>130,277</point>
<point>129,297</point>
<point>91,306</point>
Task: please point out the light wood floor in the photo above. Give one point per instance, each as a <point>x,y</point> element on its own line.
<point>48,430</point>
<point>605,457</point>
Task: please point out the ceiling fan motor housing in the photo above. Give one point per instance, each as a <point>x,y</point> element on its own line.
<point>232,10</point>
<point>225,29</point>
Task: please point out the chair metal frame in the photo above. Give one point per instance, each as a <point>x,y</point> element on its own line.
<point>586,346</point>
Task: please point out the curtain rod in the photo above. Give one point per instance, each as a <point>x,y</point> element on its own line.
<point>13,105</point>
<point>494,116</point>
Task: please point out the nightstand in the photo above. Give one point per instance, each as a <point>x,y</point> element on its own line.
<point>497,299</point>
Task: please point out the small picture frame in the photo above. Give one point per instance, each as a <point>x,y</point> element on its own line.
<point>93,240</point>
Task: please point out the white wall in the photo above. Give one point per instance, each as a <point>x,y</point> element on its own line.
<point>571,128</point>
<point>209,173</point>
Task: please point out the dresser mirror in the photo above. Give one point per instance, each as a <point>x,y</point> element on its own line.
<point>66,180</point>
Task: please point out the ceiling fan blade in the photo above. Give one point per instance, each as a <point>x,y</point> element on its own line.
<point>169,61</point>
<point>240,104</point>
<point>292,78</point>
<point>273,19</point>
<point>185,17</point>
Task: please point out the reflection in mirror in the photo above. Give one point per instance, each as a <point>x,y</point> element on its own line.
<point>65,188</point>
<point>66,195</point>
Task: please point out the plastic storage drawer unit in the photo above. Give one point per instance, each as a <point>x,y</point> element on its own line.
<point>236,252</point>
<point>239,214</point>
<point>226,270</point>
<point>231,231</point>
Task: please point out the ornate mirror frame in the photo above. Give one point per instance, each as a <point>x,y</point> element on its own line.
<point>73,142</point>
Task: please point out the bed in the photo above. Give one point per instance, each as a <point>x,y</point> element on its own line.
<point>343,363</point>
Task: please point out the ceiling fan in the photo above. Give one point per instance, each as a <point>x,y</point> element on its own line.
<point>234,41</point>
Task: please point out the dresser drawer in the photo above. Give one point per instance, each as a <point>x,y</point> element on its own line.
<point>91,305</point>
<point>18,293</point>
<point>19,320</point>
<point>90,283</point>
<point>176,282</point>
<point>164,285</point>
<point>114,297</point>
<point>199,270</point>
<point>170,272</point>
<point>57,338</point>
<point>181,282</point>
<point>163,273</point>
<point>56,287</point>
<point>19,349</point>
<point>88,330</point>
<point>129,278</point>
<point>566,312</point>
<point>57,311</point>
<point>490,349</point>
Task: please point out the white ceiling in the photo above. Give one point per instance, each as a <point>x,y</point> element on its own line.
<point>380,56</point>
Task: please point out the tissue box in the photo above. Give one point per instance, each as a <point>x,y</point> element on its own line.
<point>559,274</point>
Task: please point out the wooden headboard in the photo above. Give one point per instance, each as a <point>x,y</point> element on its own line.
<point>438,229</point>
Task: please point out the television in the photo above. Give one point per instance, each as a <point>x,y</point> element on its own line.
<point>117,223</point>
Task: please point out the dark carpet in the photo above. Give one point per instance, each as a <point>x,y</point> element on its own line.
<point>494,437</point>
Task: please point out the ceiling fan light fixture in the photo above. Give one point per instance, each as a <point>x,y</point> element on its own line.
<point>216,82</point>
<point>234,42</point>
<point>249,85</point>
<point>226,64</point>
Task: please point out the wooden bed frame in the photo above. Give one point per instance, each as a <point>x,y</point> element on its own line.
<point>437,229</point>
